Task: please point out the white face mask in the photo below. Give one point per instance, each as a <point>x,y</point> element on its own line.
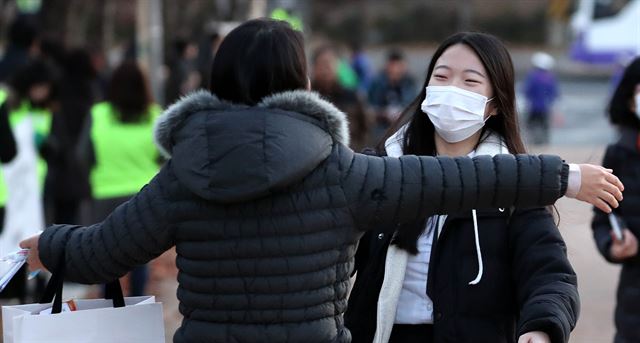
<point>456,113</point>
<point>637,97</point>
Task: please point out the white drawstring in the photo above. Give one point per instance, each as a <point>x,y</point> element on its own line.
<point>477,236</point>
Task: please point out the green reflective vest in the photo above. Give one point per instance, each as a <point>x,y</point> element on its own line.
<point>126,157</point>
<point>41,121</point>
<point>3,187</point>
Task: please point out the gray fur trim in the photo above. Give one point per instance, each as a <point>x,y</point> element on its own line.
<point>300,101</point>
<point>311,104</point>
<point>174,116</point>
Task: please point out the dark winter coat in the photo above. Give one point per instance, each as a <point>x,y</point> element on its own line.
<point>67,177</point>
<point>265,206</point>
<point>624,158</point>
<point>527,284</point>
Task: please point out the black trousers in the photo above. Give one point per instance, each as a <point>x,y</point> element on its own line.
<point>407,333</point>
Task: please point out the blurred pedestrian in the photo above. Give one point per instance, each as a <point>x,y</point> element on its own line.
<point>266,203</point>
<point>118,146</point>
<point>391,91</point>
<point>184,75</point>
<point>361,64</point>
<point>457,277</point>
<point>34,95</point>
<point>325,82</point>
<point>624,157</point>
<point>67,183</point>
<point>31,99</point>
<point>22,46</point>
<point>541,90</point>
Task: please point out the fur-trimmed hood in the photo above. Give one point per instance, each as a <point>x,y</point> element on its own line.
<point>229,152</point>
<point>304,102</point>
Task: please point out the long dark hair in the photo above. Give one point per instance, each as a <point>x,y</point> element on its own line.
<point>419,136</point>
<point>129,92</point>
<point>619,111</point>
<point>259,58</point>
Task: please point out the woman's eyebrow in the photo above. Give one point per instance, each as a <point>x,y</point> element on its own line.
<point>475,72</point>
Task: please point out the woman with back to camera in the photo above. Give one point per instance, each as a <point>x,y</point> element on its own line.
<point>624,155</point>
<point>119,149</point>
<point>493,275</point>
<point>265,203</point>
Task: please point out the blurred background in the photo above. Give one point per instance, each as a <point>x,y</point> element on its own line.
<point>70,59</point>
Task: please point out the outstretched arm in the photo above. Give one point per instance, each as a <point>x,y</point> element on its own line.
<point>135,233</point>
<point>399,190</point>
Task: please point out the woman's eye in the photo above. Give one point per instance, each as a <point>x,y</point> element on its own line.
<point>472,81</point>
<point>440,77</point>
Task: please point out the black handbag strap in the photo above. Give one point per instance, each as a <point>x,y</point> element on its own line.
<point>53,291</point>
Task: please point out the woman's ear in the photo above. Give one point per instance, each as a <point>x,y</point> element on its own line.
<point>491,109</point>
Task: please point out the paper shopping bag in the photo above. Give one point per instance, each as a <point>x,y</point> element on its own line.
<point>134,319</point>
<point>93,321</point>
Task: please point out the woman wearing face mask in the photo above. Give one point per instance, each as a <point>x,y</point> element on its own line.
<point>498,275</point>
<point>624,155</point>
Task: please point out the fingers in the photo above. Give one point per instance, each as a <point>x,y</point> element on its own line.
<point>612,189</point>
<point>615,181</point>
<point>614,238</point>
<point>600,204</point>
<point>629,242</point>
<point>24,244</point>
<point>609,198</point>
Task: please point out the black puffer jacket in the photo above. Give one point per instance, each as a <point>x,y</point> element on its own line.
<point>266,205</point>
<point>527,284</point>
<point>624,158</point>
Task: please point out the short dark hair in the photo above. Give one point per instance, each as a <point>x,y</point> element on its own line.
<point>259,58</point>
<point>395,56</point>
<point>129,92</point>
<point>619,109</point>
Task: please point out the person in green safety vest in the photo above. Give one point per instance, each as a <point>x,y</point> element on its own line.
<point>287,15</point>
<point>32,96</point>
<point>33,86</point>
<point>118,146</point>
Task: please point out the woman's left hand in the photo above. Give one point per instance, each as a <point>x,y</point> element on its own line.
<point>534,337</point>
<point>33,259</point>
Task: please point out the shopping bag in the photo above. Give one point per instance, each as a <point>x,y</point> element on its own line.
<point>131,319</point>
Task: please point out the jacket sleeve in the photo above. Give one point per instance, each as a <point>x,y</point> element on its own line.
<point>546,285</point>
<point>135,233</point>
<point>392,191</point>
<point>600,223</point>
